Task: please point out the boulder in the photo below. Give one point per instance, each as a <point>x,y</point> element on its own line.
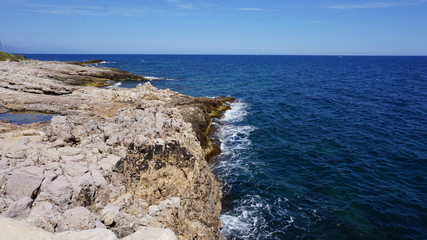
<point>74,169</point>
<point>110,214</point>
<point>19,209</point>
<point>92,234</point>
<point>24,183</point>
<point>11,229</point>
<point>148,233</point>
<point>84,189</point>
<point>109,163</point>
<point>44,215</point>
<point>60,191</point>
<point>69,151</point>
<point>99,179</point>
<point>79,218</point>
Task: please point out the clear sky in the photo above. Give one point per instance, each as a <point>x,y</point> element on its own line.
<point>318,27</point>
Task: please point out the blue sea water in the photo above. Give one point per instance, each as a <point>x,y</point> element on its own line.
<point>25,117</point>
<point>315,147</point>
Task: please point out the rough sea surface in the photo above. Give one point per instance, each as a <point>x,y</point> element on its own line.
<point>315,147</point>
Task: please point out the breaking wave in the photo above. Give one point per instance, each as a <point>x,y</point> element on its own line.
<point>245,213</point>
<point>152,78</point>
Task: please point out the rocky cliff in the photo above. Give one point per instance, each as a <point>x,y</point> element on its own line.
<point>121,160</point>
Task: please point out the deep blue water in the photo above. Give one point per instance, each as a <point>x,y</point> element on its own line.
<point>316,147</point>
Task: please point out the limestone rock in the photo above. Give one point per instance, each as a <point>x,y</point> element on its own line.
<point>99,179</point>
<point>110,214</point>
<point>76,169</point>
<point>92,234</point>
<point>114,158</point>
<point>147,233</point>
<point>11,229</point>
<point>60,191</point>
<point>79,218</point>
<point>22,184</point>
<point>44,215</point>
<point>109,163</point>
<point>19,209</point>
<point>69,151</point>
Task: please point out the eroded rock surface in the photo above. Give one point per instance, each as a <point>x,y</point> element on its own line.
<point>121,160</point>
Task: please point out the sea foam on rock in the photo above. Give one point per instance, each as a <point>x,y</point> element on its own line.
<point>131,162</point>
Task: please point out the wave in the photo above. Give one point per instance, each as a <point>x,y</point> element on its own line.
<point>236,145</point>
<point>235,140</point>
<point>115,85</point>
<point>246,215</point>
<point>236,113</point>
<point>152,78</point>
<point>251,216</point>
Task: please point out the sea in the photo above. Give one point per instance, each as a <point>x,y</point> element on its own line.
<point>314,147</point>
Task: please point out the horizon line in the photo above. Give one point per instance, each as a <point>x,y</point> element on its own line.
<point>228,54</point>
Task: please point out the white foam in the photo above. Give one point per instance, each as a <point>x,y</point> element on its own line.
<point>236,113</point>
<point>152,78</point>
<point>245,218</point>
<point>235,141</point>
<point>234,137</point>
<point>251,214</point>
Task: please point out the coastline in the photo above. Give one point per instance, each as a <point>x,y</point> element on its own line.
<point>123,159</point>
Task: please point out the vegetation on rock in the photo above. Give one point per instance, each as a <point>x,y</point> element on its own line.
<point>10,57</point>
<point>87,62</point>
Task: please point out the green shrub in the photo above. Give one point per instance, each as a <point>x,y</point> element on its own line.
<point>15,58</point>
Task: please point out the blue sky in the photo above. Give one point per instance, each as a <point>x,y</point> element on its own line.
<point>318,27</point>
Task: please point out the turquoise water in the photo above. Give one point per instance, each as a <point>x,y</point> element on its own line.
<point>316,147</point>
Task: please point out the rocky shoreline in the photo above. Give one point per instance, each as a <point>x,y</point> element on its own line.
<point>113,163</point>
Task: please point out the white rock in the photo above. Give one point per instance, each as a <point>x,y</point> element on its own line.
<point>69,151</point>
<point>74,158</point>
<point>16,155</point>
<point>148,233</point>
<point>172,202</point>
<point>21,184</point>
<point>110,214</point>
<point>3,204</point>
<point>79,218</point>
<point>60,190</point>
<point>29,132</point>
<point>33,170</point>
<point>44,215</point>
<point>19,209</point>
<point>4,164</point>
<point>83,187</point>
<point>99,224</point>
<point>3,175</point>
<point>99,179</point>
<point>11,229</point>
<point>109,163</point>
<point>52,166</point>
<point>76,169</point>
<point>153,210</point>
<point>92,234</point>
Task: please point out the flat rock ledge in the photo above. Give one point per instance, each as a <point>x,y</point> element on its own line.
<point>112,164</point>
